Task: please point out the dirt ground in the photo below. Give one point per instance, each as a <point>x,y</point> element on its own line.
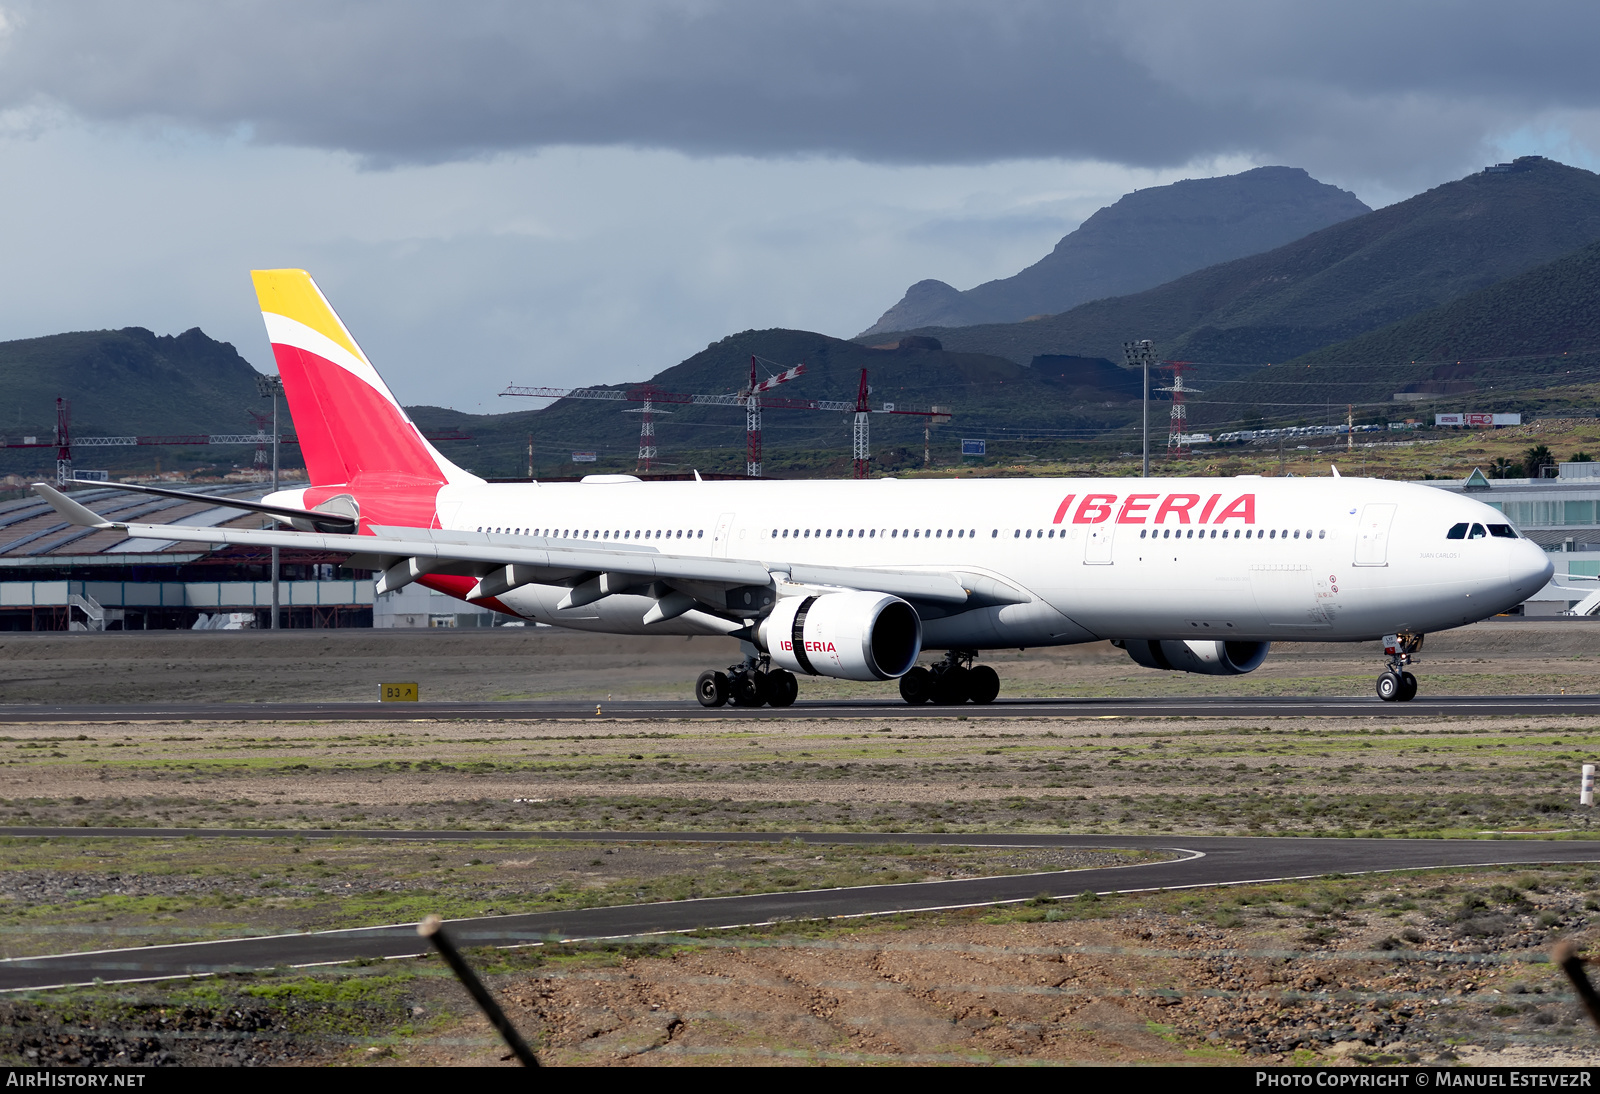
<point>1402,971</point>
<point>1536,657</point>
<point>1433,966</point>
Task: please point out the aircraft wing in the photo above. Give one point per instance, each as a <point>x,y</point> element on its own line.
<point>500,563</point>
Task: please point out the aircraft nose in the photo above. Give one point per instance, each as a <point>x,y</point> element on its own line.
<point>1529,568</point>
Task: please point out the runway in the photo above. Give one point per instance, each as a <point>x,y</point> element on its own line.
<point>1203,861</point>
<point>1363,706</point>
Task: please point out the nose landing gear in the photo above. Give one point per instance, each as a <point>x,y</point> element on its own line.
<point>951,682</point>
<point>1397,685</point>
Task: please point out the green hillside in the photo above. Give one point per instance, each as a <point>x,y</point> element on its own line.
<point>1548,310</point>
<point>122,382</point>
<point>1530,344</point>
<point>1337,283</point>
<point>990,397</point>
<point>127,381</point>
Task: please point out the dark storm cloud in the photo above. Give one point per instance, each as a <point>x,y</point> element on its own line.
<point>1155,83</point>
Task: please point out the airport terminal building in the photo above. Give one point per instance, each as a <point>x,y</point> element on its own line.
<point>55,576</point>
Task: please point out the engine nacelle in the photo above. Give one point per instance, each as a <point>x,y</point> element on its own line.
<point>1207,658</point>
<point>846,636</point>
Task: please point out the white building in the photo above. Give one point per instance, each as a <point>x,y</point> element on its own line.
<point>415,606</point>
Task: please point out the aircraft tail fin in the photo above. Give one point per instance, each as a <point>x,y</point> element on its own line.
<point>348,423</point>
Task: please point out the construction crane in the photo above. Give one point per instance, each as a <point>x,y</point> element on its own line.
<point>752,412</point>
<point>63,441</point>
<point>649,396</point>
<point>749,397</point>
<point>264,441</point>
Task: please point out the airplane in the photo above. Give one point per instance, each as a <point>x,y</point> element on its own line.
<point>855,580</point>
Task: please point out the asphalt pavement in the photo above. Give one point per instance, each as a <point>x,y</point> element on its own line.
<point>547,709</point>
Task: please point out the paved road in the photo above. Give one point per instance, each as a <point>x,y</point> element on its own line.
<point>1204,861</point>
<point>537,710</point>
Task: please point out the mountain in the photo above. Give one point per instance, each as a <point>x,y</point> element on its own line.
<point>127,381</point>
<point>1334,284</point>
<point>1146,239</point>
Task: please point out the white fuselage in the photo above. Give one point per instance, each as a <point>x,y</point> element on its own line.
<point>1244,558</point>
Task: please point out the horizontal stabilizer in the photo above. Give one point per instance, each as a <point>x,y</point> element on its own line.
<point>80,515</point>
<point>320,519</point>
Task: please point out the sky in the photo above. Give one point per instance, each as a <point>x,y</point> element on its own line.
<point>562,193</point>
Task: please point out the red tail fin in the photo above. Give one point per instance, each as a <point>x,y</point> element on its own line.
<point>351,429</point>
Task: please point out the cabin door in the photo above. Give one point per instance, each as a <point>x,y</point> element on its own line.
<point>1372,534</point>
<point>719,538</point>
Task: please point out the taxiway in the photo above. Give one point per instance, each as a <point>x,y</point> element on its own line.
<point>555,709</point>
<point>1199,861</point>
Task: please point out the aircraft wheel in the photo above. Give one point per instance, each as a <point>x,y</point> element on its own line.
<point>744,692</point>
<point>748,690</point>
<point>712,688</point>
<point>983,684</point>
<point>916,686</point>
<point>782,687</point>
<point>1408,688</point>
<point>950,687</point>
<point>1389,687</point>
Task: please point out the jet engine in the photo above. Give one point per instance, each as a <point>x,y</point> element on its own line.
<point>1207,658</point>
<point>846,636</point>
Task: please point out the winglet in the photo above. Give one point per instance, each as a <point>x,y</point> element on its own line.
<point>77,514</point>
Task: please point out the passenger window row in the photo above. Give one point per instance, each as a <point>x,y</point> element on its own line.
<point>1249,533</point>
<point>1477,531</point>
<point>872,533</point>
<point>593,533</point>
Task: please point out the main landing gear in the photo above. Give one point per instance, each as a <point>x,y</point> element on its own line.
<point>1397,685</point>
<point>751,683</point>
<point>951,682</point>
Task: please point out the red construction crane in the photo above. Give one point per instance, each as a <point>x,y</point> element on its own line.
<point>752,413</point>
<point>747,397</point>
<point>651,397</point>
<point>64,443</point>
<point>863,430</point>
<point>264,444</point>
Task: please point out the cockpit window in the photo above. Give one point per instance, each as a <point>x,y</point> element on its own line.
<point>1502,531</point>
<point>1457,531</point>
<point>1477,532</point>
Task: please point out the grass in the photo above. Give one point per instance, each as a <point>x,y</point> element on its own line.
<point>1329,776</point>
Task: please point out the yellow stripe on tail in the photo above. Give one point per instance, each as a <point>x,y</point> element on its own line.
<point>293,295</point>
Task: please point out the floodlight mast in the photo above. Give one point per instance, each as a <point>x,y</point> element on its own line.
<point>1138,355</point>
<point>271,386</point>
